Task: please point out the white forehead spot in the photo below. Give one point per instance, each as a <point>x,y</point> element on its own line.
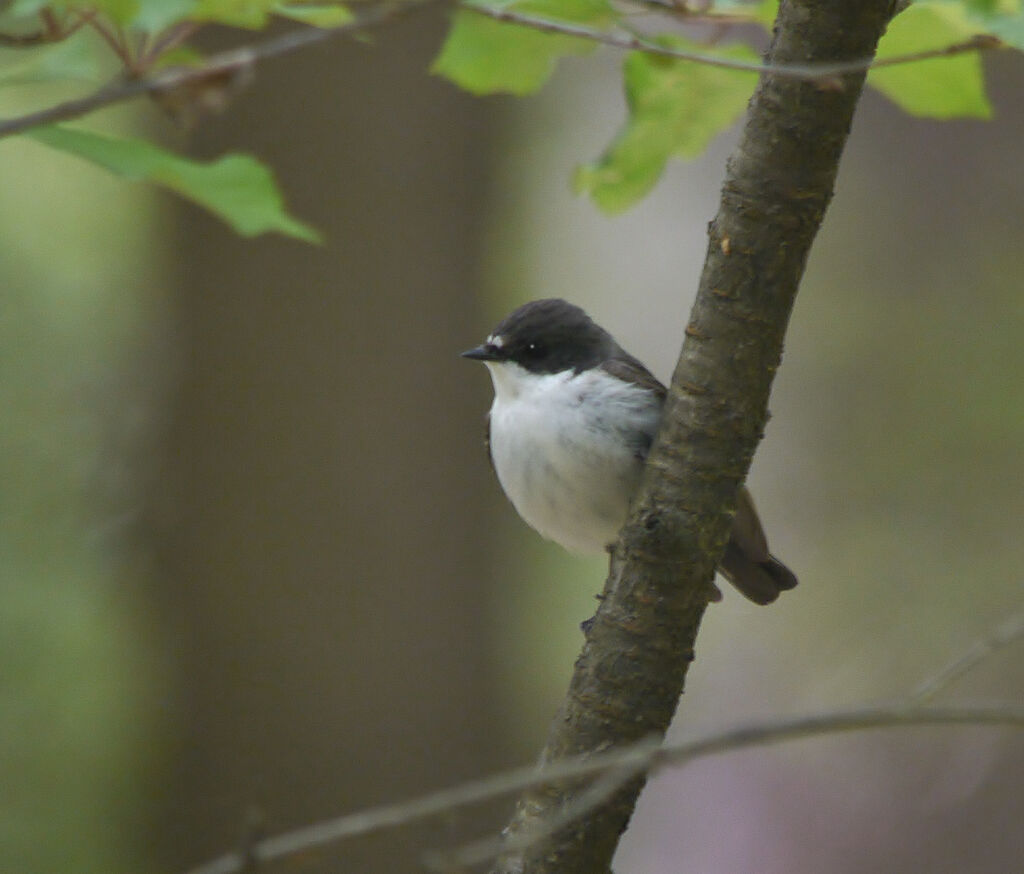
<point>496,340</point>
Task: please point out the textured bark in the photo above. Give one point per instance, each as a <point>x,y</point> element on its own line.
<point>779,181</point>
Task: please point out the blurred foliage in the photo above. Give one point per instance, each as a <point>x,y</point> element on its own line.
<point>676,106</point>
<point>75,641</point>
<point>675,109</point>
<point>485,56</point>
<point>145,36</point>
<point>941,88</point>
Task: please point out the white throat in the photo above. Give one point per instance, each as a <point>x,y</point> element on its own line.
<point>510,380</point>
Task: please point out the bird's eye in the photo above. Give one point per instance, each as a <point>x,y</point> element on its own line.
<point>535,350</point>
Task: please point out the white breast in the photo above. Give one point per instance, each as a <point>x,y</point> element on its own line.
<point>567,449</point>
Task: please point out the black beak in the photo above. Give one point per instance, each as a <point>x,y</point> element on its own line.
<point>484,352</point>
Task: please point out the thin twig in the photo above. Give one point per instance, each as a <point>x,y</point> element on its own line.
<point>636,758</point>
<point>682,754</point>
<point>49,35</point>
<point>173,38</point>
<point>1009,631</point>
<point>51,22</point>
<point>802,72</point>
<point>113,37</point>
<point>27,40</point>
<point>486,849</point>
<point>52,31</point>
<point>233,59</point>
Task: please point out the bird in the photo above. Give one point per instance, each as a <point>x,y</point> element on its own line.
<point>573,419</point>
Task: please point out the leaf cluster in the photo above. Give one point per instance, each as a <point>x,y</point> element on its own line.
<point>677,106</point>
<point>688,74</point>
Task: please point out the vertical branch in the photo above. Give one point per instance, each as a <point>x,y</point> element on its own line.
<point>630,674</point>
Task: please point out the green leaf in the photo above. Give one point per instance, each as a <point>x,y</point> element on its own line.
<point>676,107</point>
<point>1009,28</point>
<point>70,60</point>
<point>765,13</point>
<point>983,5</point>
<point>252,14</point>
<point>485,56</point>
<point>180,56</point>
<point>944,88</point>
<point>121,11</point>
<point>155,16</point>
<point>237,188</point>
<point>1000,18</point>
<point>148,15</point>
<point>24,8</point>
<point>315,14</point>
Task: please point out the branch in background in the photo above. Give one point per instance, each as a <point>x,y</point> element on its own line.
<point>1008,632</point>
<point>235,62</point>
<point>27,40</point>
<point>680,754</point>
<point>802,72</point>
<point>240,61</point>
<point>115,39</point>
<point>618,764</point>
<point>169,40</point>
<point>490,848</point>
<point>624,762</point>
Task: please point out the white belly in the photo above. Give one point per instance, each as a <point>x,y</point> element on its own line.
<point>568,451</point>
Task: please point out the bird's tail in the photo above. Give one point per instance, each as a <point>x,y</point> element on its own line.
<point>747,564</point>
<point>762,581</point>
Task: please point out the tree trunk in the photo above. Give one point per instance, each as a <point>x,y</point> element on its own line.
<point>332,652</point>
<point>631,673</point>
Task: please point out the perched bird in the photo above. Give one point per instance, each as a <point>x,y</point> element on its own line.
<point>573,419</point>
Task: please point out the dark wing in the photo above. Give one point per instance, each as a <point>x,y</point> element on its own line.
<point>625,367</point>
<point>747,564</point>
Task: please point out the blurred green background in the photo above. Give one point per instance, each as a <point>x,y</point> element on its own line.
<point>255,565</point>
